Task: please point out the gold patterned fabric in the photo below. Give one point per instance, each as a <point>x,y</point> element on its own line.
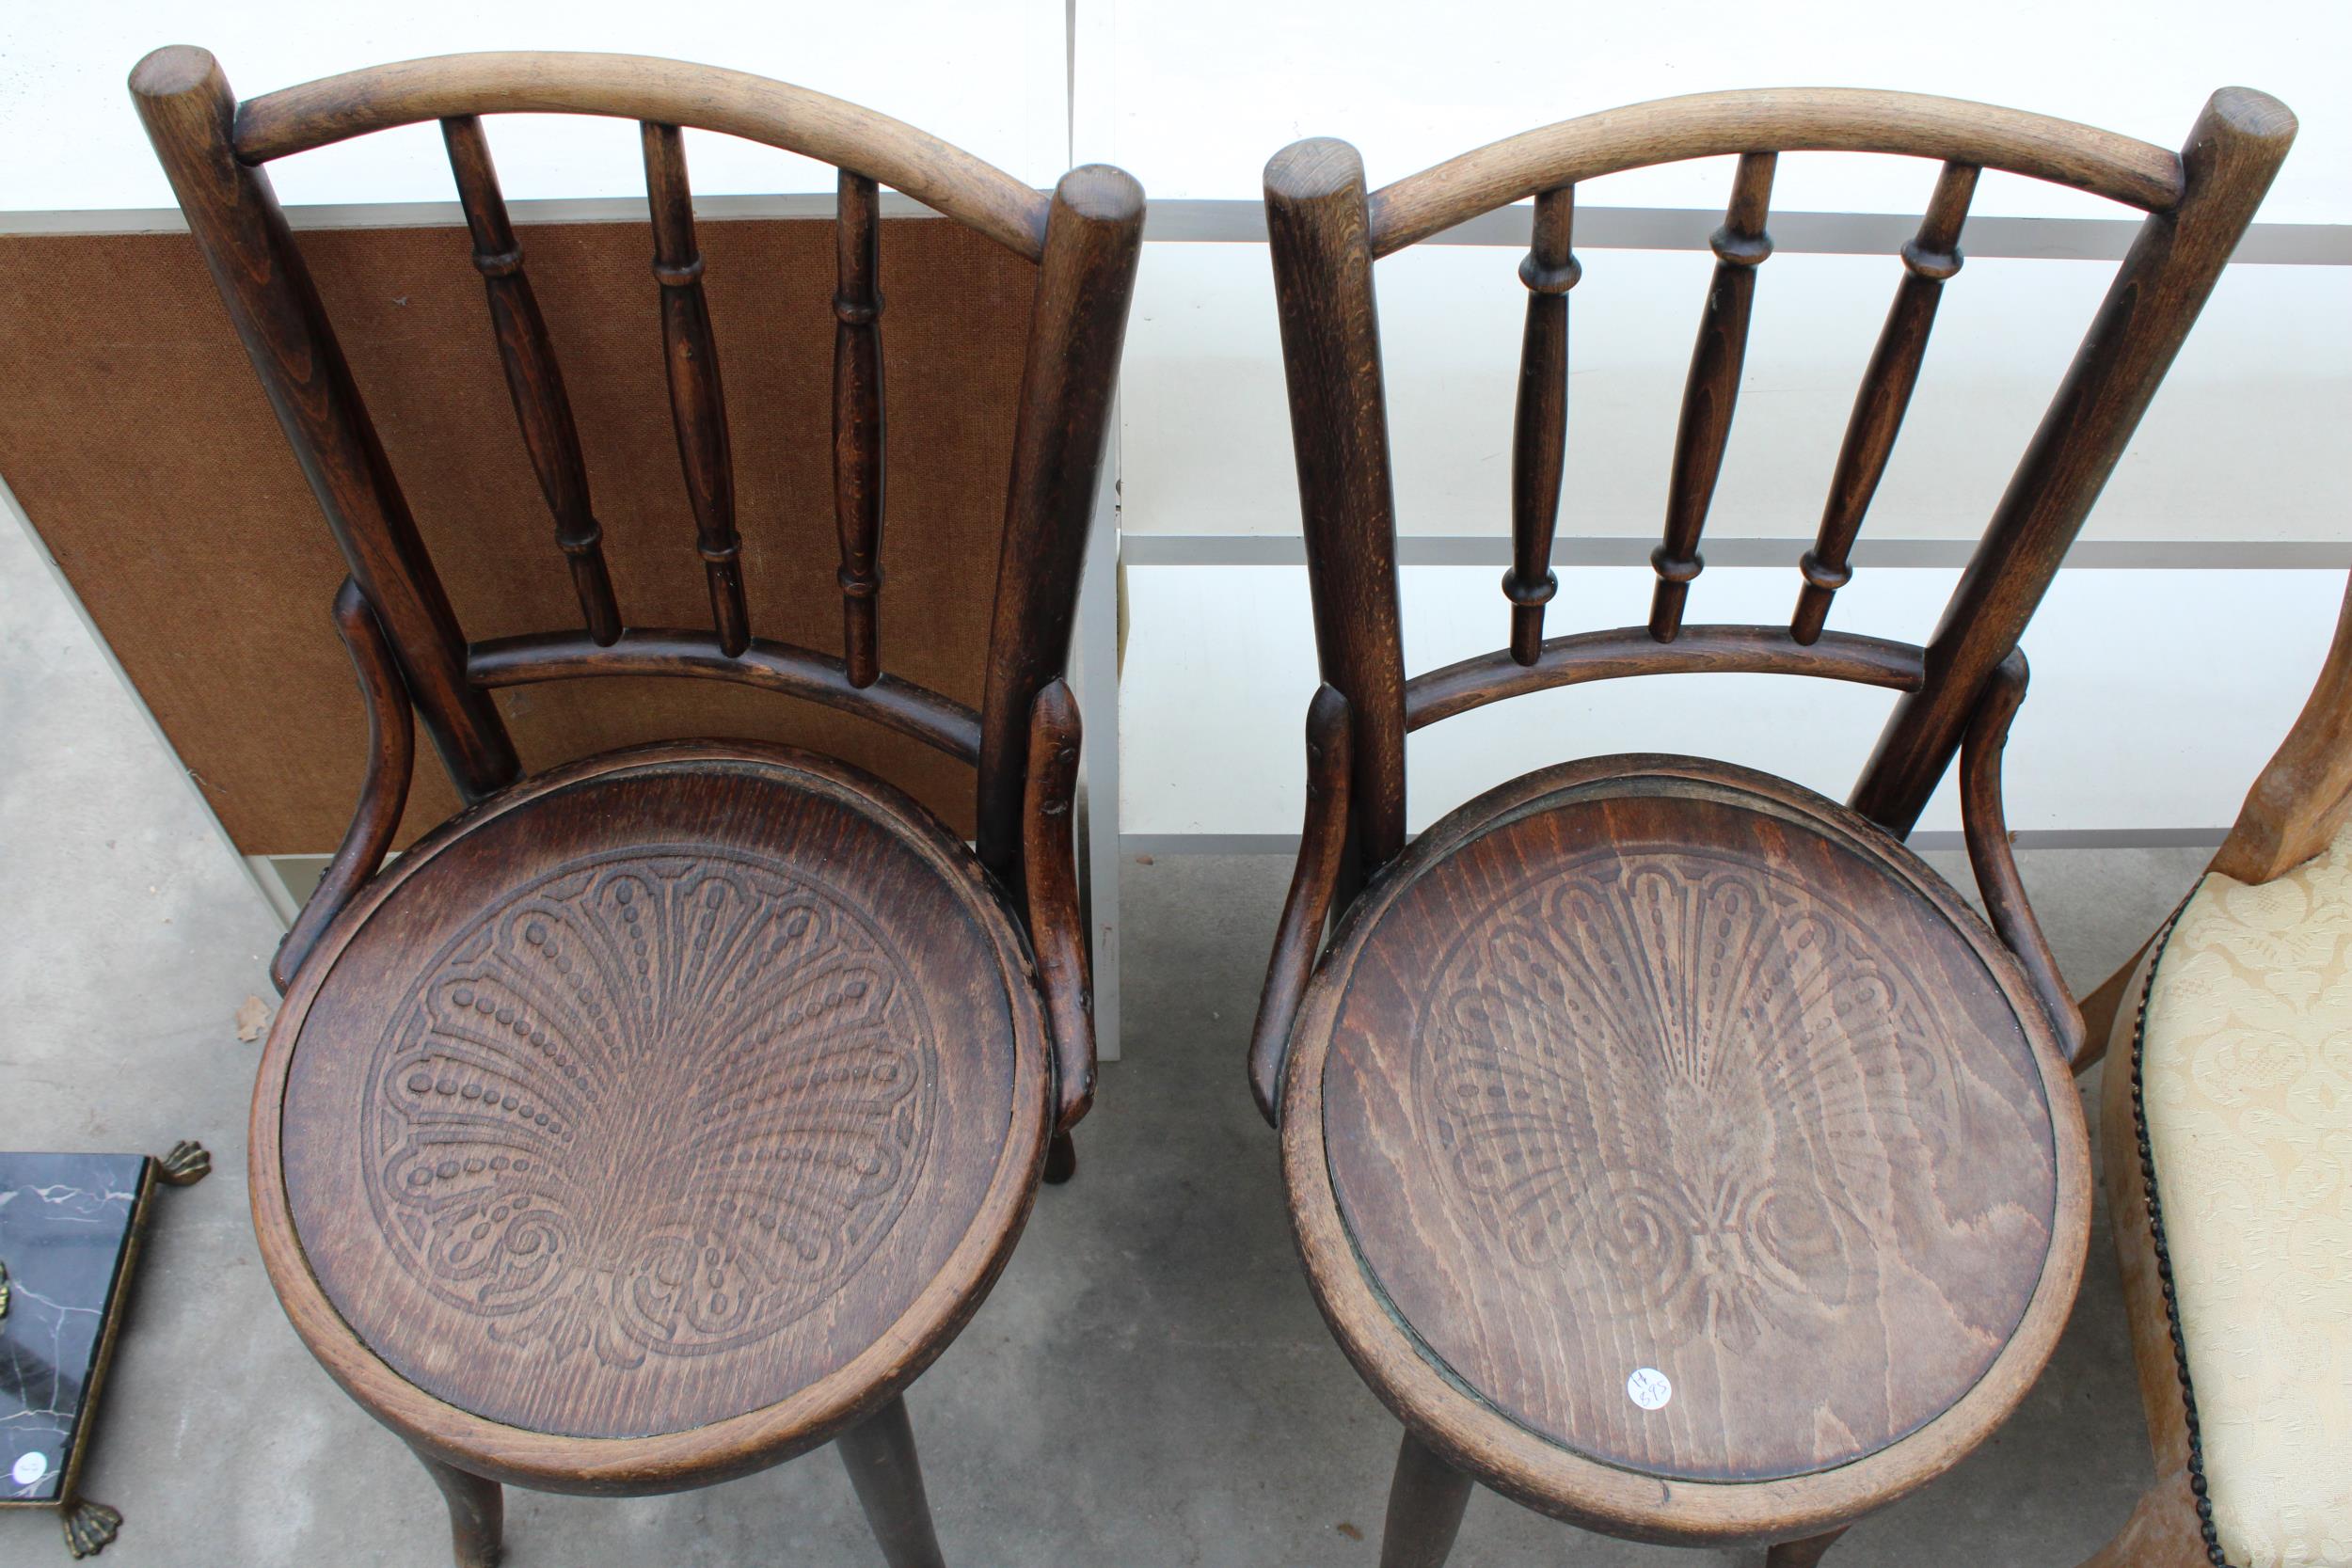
<point>2246,1088</point>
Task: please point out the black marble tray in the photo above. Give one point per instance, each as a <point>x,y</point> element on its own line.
<point>66,1223</point>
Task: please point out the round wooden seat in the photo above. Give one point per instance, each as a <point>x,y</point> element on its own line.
<point>654,1119</point>
<point>1676,1153</point>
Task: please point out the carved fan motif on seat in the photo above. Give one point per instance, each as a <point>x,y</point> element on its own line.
<point>1689,1070</point>
<point>496,1154</point>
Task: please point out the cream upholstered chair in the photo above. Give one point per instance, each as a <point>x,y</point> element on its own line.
<point>2228,1136</point>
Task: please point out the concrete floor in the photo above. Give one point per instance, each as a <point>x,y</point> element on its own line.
<point>1149,1385</point>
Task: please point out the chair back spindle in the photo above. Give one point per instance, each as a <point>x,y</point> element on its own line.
<point>1539,432</point>
<point>698,404</point>
<point>1929,257</point>
<point>857,422</point>
<point>534,378</point>
<point>1712,390</point>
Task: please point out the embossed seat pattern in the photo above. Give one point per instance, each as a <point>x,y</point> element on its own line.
<point>754,1001</point>
<point>640,1125</point>
<point>1653,1074</point>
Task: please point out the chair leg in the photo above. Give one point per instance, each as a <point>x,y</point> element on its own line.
<point>1425,1503</point>
<point>1062,1160</point>
<point>477,1513</point>
<point>880,1453</point>
<point>1802,1554</point>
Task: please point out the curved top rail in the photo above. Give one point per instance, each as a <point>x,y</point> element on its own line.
<point>671,92</point>
<point>1774,119</point>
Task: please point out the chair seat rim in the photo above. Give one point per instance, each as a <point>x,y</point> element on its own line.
<point>751,1440</point>
<point>1478,1439</point>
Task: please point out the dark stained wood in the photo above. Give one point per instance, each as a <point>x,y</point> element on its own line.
<point>1991,856</point>
<point>477,1513</point>
<point>1790,119</point>
<point>667,1113</point>
<point>1298,941</point>
<point>1426,1497</point>
<point>938,721</point>
<point>1711,393</point>
<point>705,1017</point>
<point>534,377</point>
<point>1647,1063</point>
<point>857,422</point>
<point>880,1454</point>
<point>1668,1072</point>
<point>1929,258</point>
<point>1093,241</point>
<point>671,92</point>
<point>2233,152</point>
<point>1539,436</point>
<point>697,400</point>
<point>1654,1063</point>
<point>1802,1554</point>
<point>1600,656</point>
<point>184,102</point>
<point>383,790</point>
<point>1049,855</point>
<point>1319,231</point>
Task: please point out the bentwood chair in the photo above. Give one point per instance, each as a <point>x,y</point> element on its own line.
<point>2226,1135</point>
<point>1668,1147</point>
<point>662,1115</point>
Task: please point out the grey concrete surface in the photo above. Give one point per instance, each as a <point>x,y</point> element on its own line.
<point>1150,1386</point>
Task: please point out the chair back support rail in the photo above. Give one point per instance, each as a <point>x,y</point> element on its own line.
<point>1326,229</point>
<point>1083,238</point>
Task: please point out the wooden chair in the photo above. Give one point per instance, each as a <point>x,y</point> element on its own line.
<point>662,1115</point>
<point>2226,1135</point>
<point>1668,1147</point>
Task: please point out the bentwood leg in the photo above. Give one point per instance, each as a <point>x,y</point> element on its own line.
<point>1062,1159</point>
<point>879,1452</point>
<point>477,1513</point>
<point>1425,1503</point>
<point>1802,1554</point>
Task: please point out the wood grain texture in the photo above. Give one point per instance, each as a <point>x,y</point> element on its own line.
<point>2233,151</point>
<point>1540,432</point>
<point>1929,257</point>
<point>1426,1497</point>
<point>1319,232</point>
<point>598,1202</point>
<point>1077,327</point>
<point>1615,654</point>
<point>2304,793</point>
<point>1710,394</point>
<point>673,92</point>
<point>1993,858</point>
<point>383,788</point>
<point>857,422</point>
<point>1784,120</point>
<point>880,1455</point>
<point>1650,1062</point>
<point>477,1513</point>
<point>1049,856</point>
<point>185,104</point>
<point>1315,882</point>
<point>534,377</point>
<point>698,405</point>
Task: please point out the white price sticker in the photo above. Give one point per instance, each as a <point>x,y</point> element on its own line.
<point>28,1468</point>
<point>1649,1388</point>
